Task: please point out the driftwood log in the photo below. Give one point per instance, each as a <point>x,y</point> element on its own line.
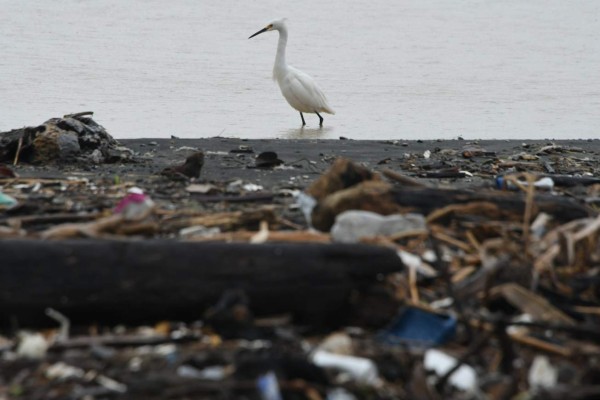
<point>143,281</point>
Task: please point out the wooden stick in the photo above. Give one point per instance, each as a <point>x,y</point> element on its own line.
<point>403,179</point>
<point>79,114</point>
<point>19,145</point>
<point>441,236</point>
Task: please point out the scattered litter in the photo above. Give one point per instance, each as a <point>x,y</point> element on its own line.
<point>7,202</point>
<point>545,183</point>
<point>416,249</point>
<point>251,187</point>
<point>32,345</point>
<point>202,188</point>
<point>62,371</point>
<point>464,378</point>
<point>351,226</point>
<point>268,387</point>
<point>136,205</point>
<point>359,369</point>
<point>420,328</point>
<point>542,374</point>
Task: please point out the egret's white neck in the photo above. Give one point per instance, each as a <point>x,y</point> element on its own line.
<point>280,64</point>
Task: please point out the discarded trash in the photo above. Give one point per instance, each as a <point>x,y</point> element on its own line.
<point>351,226</point>
<point>542,374</point>
<point>545,183</point>
<point>62,371</point>
<point>340,394</point>
<point>242,149</point>
<point>212,373</point>
<point>464,378</point>
<point>32,345</point>
<point>111,384</point>
<point>65,324</point>
<point>496,279</point>
<point>416,262</point>
<point>337,343</point>
<point>306,203</point>
<point>136,205</point>
<point>268,387</point>
<point>199,231</point>
<point>419,328</point>
<point>359,369</point>
<point>65,139</point>
<point>7,201</point>
<point>202,188</point>
<point>251,187</point>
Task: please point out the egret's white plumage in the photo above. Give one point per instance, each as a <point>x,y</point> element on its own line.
<point>298,88</point>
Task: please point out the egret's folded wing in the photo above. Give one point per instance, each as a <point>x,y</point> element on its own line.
<point>305,91</point>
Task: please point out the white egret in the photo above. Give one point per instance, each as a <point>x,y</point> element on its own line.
<point>298,88</point>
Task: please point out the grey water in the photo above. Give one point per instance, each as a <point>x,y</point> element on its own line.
<point>391,69</point>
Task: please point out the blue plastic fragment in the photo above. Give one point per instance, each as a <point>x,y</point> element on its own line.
<point>419,328</point>
<point>7,201</point>
<point>268,387</point>
<point>500,184</point>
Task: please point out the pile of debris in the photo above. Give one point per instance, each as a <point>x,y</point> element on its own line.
<point>75,137</point>
<point>363,284</point>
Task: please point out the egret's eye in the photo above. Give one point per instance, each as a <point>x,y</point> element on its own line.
<point>270,26</point>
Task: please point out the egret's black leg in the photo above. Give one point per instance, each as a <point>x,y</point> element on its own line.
<point>303,122</point>
<point>320,119</point>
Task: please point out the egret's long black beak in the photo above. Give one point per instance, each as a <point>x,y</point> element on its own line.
<point>259,32</point>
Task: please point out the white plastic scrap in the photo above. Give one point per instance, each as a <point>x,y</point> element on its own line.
<point>111,384</point>
<point>212,373</point>
<point>189,148</point>
<point>463,378</point>
<point>542,374</point>
<point>360,369</point>
<point>337,343</point>
<point>200,188</point>
<point>32,345</point>
<point>65,324</point>
<point>199,231</point>
<point>413,261</point>
<point>427,154</point>
<point>252,187</point>
<point>350,226</point>
<point>62,371</point>
<point>540,225</point>
<point>306,203</point>
<point>544,183</point>
<point>262,235</point>
<point>340,394</point>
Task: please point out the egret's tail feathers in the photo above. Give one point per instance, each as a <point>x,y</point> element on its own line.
<point>328,110</point>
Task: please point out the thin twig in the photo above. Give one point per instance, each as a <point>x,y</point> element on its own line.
<point>403,179</point>
<point>18,152</point>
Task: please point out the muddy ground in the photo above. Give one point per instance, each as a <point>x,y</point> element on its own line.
<point>231,158</point>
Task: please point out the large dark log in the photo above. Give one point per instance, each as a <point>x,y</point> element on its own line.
<point>143,281</point>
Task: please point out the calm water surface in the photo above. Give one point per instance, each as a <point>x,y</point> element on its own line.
<point>391,69</point>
